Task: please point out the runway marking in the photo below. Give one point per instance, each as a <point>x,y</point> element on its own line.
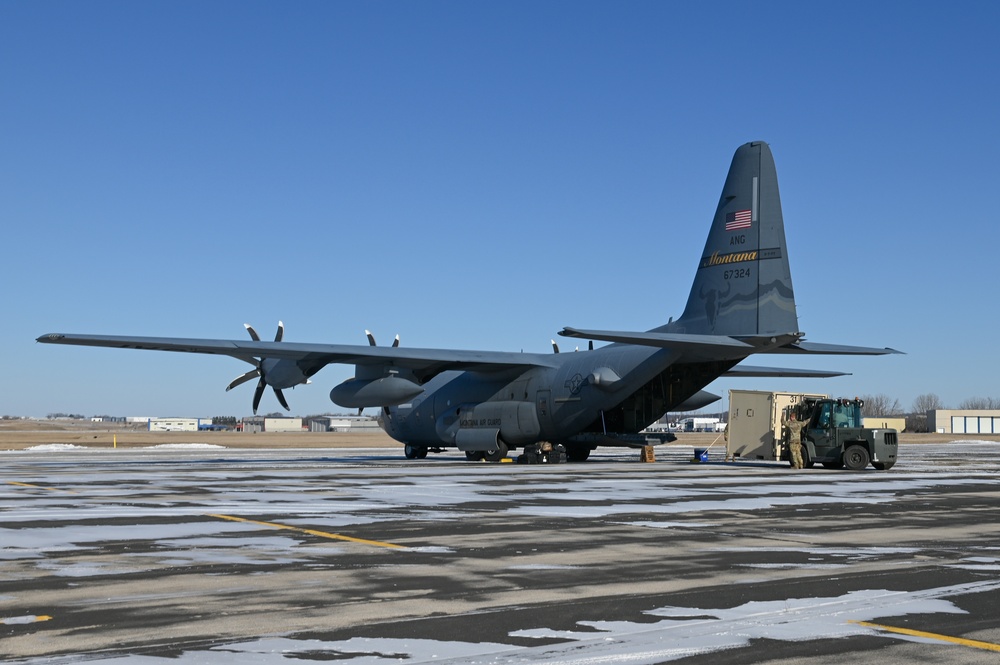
<point>39,487</point>
<point>975,644</point>
<point>311,532</point>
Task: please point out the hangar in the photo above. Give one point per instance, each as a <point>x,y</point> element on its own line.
<point>965,421</point>
<point>268,424</point>
<point>175,424</point>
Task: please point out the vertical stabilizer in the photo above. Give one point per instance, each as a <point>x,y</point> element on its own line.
<point>743,285</point>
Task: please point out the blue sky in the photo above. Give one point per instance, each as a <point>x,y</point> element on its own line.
<point>479,175</point>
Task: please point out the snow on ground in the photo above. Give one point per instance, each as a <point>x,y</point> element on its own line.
<point>680,632</point>
<point>438,492</point>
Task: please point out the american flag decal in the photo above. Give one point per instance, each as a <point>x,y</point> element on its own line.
<point>738,220</point>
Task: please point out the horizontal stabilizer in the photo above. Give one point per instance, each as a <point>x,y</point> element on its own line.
<point>833,349</point>
<point>749,371</point>
<point>661,339</point>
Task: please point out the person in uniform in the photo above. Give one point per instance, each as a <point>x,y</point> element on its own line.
<point>793,432</point>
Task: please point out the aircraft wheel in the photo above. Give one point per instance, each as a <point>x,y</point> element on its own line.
<point>839,464</point>
<point>497,453</point>
<point>414,452</point>
<point>856,458</point>
<point>474,455</point>
<point>883,466</point>
<point>577,453</point>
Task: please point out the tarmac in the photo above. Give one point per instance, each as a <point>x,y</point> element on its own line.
<point>204,554</point>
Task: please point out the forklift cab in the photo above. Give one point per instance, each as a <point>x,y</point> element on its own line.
<point>827,423</point>
<point>836,413</point>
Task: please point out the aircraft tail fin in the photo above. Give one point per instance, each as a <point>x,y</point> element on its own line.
<point>743,286</point>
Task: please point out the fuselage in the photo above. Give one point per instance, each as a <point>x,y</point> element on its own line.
<point>619,388</point>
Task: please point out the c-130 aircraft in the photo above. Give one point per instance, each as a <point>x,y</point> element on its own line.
<point>487,403</point>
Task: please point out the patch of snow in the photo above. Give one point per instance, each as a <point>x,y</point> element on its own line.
<point>28,618</point>
<point>55,447</point>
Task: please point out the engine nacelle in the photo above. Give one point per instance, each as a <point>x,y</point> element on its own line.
<point>699,400</point>
<point>386,391</point>
<point>282,373</point>
<point>604,378</point>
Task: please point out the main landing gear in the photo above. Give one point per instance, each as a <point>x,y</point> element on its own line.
<point>419,452</point>
<point>414,452</point>
<point>494,455</point>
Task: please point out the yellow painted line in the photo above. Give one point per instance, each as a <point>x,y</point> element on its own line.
<point>311,532</point>
<point>975,644</point>
<point>39,487</point>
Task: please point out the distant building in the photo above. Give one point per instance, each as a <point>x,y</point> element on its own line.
<point>342,424</point>
<point>966,421</point>
<point>879,422</point>
<point>701,424</point>
<point>264,424</point>
<point>177,424</point>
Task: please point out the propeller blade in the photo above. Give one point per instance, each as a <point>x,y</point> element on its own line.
<point>590,347</point>
<point>371,339</point>
<point>240,380</point>
<point>555,347</point>
<point>281,332</point>
<point>281,398</point>
<point>253,333</point>
<point>258,393</point>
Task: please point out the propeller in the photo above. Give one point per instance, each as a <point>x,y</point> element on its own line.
<point>555,347</point>
<point>258,371</point>
<point>371,339</point>
<point>371,342</point>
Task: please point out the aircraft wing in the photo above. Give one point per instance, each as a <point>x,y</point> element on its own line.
<point>749,371</point>
<point>310,358</point>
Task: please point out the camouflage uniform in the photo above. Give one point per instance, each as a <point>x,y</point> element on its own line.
<point>793,429</point>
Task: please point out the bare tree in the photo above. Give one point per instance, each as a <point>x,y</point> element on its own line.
<point>927,402</point>
<point>980,403</point>
<point>916,421</point>
<point>881,406</point>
